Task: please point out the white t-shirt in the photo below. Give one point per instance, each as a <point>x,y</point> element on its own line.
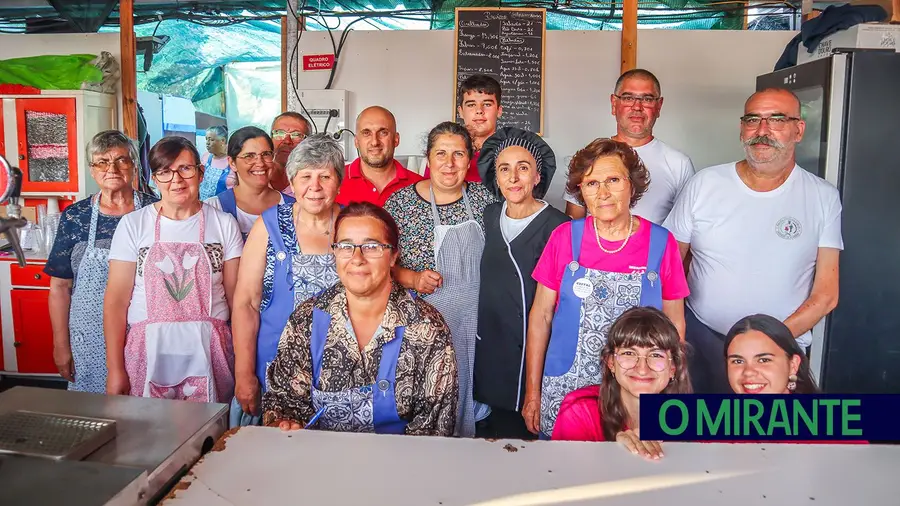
<point>669,170</point>
<point>245,220</point>
<point>135,233</point>
<point>512,227</point>
<point>753,252</point>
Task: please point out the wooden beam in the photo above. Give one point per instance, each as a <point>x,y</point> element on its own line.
<point>128,52</point>
<point>629,35</point>
<point>895,6</point>
<point>284,63</point>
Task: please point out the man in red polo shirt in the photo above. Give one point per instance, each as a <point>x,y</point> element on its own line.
<point>479,106</point>
<point>375,175</point>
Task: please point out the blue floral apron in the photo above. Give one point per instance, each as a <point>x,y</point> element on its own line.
<point>86,311</point>
<point>297,277</point>
<point>590,300</point>
<point>369,408</point>
<point>214,180</point>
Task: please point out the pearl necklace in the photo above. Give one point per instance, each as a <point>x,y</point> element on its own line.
<point>624,243</point>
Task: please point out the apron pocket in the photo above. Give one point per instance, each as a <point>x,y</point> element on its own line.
<point>178,360</point>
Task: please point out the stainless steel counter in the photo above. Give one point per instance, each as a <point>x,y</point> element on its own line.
<point>161,437</point>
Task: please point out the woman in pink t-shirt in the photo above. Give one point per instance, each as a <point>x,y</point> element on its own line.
<point>590,272</point>
<point>644,354</point>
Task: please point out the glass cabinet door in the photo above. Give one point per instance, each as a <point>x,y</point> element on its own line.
<point>47,139</point>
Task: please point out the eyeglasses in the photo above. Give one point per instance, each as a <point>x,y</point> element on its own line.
<point>369,249</point>
<point>121,162</point>
<point>185,171</point>
<point>656,360</point>
<point>267,156</point>
<point>775,121</point>
<point>645,100</point>
<point>281,134</point>
<point>613,184</point>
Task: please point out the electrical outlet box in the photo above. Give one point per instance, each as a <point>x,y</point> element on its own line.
<point>328,110</point>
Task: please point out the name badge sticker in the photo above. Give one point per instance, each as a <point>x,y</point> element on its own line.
<point>582,288</point>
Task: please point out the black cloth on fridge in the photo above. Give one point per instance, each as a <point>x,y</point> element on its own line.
<point>832,20</point>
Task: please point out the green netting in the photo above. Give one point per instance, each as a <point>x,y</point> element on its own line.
<point>191,64</point>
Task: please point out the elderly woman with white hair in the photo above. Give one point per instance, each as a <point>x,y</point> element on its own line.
<point>78,266</point>
<point>287,259</point>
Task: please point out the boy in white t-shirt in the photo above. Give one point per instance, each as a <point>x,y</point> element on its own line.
<point>765,237</point>
<point>636,104</point>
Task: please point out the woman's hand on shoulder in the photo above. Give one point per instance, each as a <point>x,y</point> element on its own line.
<point>631,440</point>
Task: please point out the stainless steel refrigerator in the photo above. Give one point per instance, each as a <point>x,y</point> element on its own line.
<point>851,104</point>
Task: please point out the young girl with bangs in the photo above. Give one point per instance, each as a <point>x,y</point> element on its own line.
<point>643,355</point>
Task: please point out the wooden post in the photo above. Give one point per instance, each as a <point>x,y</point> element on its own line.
<point>895,6</point>
<point>128,52</point>
<point>284,63</point>
<point>629,35</point>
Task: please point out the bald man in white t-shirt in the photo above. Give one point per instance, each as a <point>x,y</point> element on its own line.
<point>636,103</point>
<point>765,236</point>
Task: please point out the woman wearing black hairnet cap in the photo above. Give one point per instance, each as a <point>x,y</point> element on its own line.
<point>517,165</point>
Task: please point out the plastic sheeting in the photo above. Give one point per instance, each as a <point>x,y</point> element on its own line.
<point>252,94</point>
<point>192,63</point>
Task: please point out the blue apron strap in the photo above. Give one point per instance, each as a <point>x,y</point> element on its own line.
<point>228,201</point>
<point>651,282</point>
<point>222,184</point>
<point>320,322</point>
<point>577,234</point>
<point>288,199</point>
<point>566,323</point>
<point>385,417</point>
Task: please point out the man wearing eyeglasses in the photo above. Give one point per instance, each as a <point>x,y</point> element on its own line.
<point>765,236</point>
<point>636,104</point>
<point>288,129</point>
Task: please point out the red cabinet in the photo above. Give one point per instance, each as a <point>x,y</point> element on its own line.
<point>33,333</point>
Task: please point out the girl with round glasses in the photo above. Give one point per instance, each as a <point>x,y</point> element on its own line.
<point>365,355</point>
<point>643,355</point>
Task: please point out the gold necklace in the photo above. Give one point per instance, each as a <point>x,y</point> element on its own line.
<point>327,231</point>
<point>625,242</point>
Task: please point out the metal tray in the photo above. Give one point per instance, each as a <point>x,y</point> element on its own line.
<point>53,436</point>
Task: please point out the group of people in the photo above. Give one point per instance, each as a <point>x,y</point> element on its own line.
<point>472,307</point>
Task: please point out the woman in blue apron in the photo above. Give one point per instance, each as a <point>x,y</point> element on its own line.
<point>287,259</point>
<point>441,219</point>
<point>590,272</point>
<point>217,174</point>
<point>365,355</point>
<point>78,266</point>
<point>251,156</point>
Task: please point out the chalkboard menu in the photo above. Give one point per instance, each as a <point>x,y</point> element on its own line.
<point>508,45</point>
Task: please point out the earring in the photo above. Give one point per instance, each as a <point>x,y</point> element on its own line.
<point>792,382</point>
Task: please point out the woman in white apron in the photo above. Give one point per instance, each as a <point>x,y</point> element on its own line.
<point>173,269</point>
<point>78,265</point>
<point>442,238</point>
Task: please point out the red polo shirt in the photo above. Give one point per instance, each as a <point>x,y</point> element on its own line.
<point>472,175</point>
<point>356,188</point>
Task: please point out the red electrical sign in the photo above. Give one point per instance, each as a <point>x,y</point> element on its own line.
<point>318,62</point>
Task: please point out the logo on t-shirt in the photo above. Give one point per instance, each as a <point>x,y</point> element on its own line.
<point>788,228</point>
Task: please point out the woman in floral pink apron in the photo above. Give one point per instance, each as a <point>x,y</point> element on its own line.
<point>173,268</point>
